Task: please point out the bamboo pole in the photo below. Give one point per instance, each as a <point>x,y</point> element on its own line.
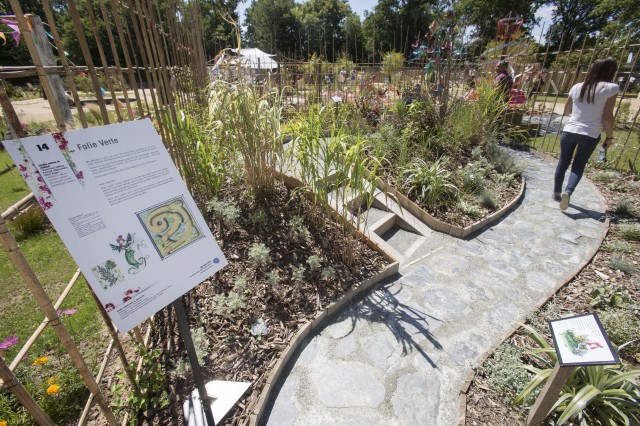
<point>555,101</point>
<point>624,146</point>
<point>115,339</point>
<point>30,278</point>
<point>27,345</point>
<point>10,113</point>
<point>65,63</point>
<point>103,367</point>
<point>116,59</point>
<point>144,56</point>
<point>127,58</point>
<point>545,98</point>
<point>86,53</point>
<point>103,59</point>
<point>11,383</point>
<point>27,35</point>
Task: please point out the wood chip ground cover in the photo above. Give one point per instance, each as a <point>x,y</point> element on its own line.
<point>234,353</point>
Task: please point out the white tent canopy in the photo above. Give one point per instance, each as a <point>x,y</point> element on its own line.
<point>255,58</point>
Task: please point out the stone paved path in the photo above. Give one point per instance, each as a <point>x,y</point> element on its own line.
<point>401,354</point>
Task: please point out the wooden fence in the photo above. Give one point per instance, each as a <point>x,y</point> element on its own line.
<point>158,69</point>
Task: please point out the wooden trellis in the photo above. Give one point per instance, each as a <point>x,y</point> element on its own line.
<point>154,56</point>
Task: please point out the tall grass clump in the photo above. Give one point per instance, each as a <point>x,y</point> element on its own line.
<point>247,124</point>
<point>335,170</point>
<point>203,162</point>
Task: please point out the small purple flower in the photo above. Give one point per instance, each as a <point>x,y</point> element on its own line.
<point>23,168</point>
<point>67,312</point>
<point>40,179</point>
<point>9,342</point>
<point>80,175</point>
<point>25,356</point>
<point>45,188</point>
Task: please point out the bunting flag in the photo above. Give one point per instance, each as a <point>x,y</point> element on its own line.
<point>14,26</point>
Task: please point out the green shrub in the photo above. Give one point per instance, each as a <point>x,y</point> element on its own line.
<point>622,264</point>
<point>473,175</point>
<point>30,222</point>
<point>226,212</point>
<point>432,184</point>
<point>504,371</point>
<point>469,210</point>
<point>608,295</point>
<point>629,232</point>
<point>624,207</point>
<point>259,253</point>
<point>488,199</point>
<point>600,394</point>
<point>502,160</point>
<point>618,246</point>
<point>604,176</point>
<point>622,326</point>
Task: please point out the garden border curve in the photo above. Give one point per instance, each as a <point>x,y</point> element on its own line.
<point>316,323</point>
<point>464,389</point>
<point>438,225</point>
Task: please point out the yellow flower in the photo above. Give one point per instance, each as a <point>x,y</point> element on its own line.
<point>53,389</point>
<point>40,361</point>
<point>52,380</point>
<point>3,423</point>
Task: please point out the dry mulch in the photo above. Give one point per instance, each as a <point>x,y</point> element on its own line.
<point>484,405</point>
<point>234,353</point>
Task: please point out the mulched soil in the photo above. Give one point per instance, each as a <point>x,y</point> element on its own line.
<point>484,405</point>
<point>234,353</point>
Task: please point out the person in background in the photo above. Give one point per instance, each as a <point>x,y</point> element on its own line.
<point>503,80</point>
<point>590,107</point>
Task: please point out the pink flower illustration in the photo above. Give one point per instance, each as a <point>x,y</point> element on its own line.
<point>109,307</point>
<point>46,205</point>
<point>45,188</point>
<point>126,299</point>
<point>23,168</point>
<point>80,175</point>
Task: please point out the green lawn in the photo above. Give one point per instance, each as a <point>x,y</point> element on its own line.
<point>19,312</point>
<point>12,186</point>
<point>625,148</point>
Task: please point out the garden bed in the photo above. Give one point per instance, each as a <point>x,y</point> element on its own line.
<point>290,305</point>
<point>608,286</point>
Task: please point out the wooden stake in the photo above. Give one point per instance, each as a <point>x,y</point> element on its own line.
<point>549,394</point>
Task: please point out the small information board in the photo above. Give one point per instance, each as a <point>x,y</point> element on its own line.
<point>581,340</point>
<point>121,208</point>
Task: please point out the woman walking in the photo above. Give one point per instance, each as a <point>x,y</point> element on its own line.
<point>590,107</point>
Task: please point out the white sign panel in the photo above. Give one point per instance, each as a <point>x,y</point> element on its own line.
<point>581,340</point>
<point>123,211</point>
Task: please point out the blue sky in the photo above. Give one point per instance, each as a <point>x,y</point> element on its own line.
<point>359,6</point>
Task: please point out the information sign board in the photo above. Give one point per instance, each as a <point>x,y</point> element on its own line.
<point>581,340</point>
<point>120,206</point>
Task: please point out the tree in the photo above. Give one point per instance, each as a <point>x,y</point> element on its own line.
<point>574,20</point>
<point>273,26</point>
<point>217,32</point>
<point>395,24</point>
<point>622,18</point>
<point>483,15</point>
<point>326,19</point>
<point>353,37</point>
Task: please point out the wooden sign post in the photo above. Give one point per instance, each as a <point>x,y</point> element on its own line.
<point>579,341</point>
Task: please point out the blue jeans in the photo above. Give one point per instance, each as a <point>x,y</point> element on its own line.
<point>568,143</point>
